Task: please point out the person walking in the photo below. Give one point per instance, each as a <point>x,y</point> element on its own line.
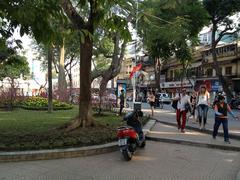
<point>221,110</point>
<point>181,111</point>
<point>203,102</point>
<point>193,100</point>
<point>151,101</point>
<point>121,102</point>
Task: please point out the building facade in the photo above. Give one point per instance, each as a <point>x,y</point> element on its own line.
<point>201,71</point>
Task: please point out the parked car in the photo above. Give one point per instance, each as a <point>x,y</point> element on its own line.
<point>165,98</point>
<point>129,98</point>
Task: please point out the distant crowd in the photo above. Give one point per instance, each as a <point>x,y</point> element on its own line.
<point>186,106</point>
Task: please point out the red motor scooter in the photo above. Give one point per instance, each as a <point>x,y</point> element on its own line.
<point>130,137</point>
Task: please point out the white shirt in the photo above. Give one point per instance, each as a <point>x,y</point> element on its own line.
<point>183,101</point>
<point>203,99</point>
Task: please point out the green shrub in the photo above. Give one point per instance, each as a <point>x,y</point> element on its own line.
<point>40,103</point>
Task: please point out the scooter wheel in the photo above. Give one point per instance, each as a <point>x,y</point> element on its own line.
<point>143,144</point>
<point>127,155</point>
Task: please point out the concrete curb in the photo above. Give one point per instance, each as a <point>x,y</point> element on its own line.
<point>148,126</point>
<point>193,143</point>
<point>65,153</point>
<point>206,131</point>
<point>57,153</point>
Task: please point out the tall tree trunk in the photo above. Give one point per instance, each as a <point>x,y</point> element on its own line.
<point>62,83</point>
<point>70,83</point>
<point>222,79</point>
<point>11,94</point>
<point>50,58</point>
<point>157,73</point>
<point>103,87</point>
<point>85,116</point>
<point>85,82</point>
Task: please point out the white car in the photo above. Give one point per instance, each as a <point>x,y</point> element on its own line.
<point>165,98</point>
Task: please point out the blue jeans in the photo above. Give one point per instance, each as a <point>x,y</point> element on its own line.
<point>217,123</point>
<point>202,113</point>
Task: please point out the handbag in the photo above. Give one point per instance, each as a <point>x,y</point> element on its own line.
<point>187,107</point>
<point>174,104</point>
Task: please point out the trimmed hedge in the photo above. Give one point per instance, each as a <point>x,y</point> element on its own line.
<point>40,103</point>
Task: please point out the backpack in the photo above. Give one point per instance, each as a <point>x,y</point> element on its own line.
<point>174,104</point>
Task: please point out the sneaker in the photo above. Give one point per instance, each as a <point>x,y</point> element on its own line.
<point>227,142</point>
<point>214,137</point>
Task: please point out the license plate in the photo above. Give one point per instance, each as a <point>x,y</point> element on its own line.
<point>122,142</point>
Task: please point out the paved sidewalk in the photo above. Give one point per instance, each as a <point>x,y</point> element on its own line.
<point>166,133</point>
<point>169,116</point>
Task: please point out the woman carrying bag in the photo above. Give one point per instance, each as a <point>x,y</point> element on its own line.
<point>203,102</point>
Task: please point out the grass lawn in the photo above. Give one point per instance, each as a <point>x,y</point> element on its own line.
<point>25,129</point>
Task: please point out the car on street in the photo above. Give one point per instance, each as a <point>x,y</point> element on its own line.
<point>164,98</point>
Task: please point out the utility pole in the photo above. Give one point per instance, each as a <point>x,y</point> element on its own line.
<point>134,61</point>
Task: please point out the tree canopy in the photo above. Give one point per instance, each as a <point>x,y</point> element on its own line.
<point>14,67</point>
<point>172,27</point>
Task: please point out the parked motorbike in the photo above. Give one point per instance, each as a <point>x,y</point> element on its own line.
<point>235,103</point>
<point>131,136</point>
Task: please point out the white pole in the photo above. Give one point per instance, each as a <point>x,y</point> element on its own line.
<point>134,62</point>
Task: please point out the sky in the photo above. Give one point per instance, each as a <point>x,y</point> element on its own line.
<point>34,65</point>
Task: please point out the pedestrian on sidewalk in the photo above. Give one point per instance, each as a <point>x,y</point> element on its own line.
<point>193,100</point>
<point>151,101</point>
<point>221,110</point>
<point>203,102</point>
<point>121,102</point>
<point>182,106</point>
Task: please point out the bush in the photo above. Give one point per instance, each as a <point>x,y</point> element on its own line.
<point>40,103</point>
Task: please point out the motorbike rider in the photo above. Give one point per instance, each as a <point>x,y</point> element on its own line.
<point>133,121</point>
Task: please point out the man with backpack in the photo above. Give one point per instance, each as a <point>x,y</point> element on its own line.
<point>222,109</point>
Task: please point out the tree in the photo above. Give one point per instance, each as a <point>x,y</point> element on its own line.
<point>172,29</point>
<point>219,16</point>
<point>32,17</point>
<point>109,51</point>
<point>13,68</point>
<point>115,66</point>
<point>86,22</point>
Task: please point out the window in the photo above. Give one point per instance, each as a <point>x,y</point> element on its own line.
<point>228,70</point>
<point>209,72</point>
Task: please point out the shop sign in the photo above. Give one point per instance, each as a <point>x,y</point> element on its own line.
<point>177,84</point>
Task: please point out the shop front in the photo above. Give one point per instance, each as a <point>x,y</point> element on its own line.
<point>172,87</point>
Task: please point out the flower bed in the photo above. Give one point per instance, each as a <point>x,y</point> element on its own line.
<point>40,103</point>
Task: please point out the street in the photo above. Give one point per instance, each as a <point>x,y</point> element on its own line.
<point>158,161</point>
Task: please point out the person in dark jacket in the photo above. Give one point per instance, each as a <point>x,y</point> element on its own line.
<point>133,121</point>
<point>121,102</point>
<point>221,111</point>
